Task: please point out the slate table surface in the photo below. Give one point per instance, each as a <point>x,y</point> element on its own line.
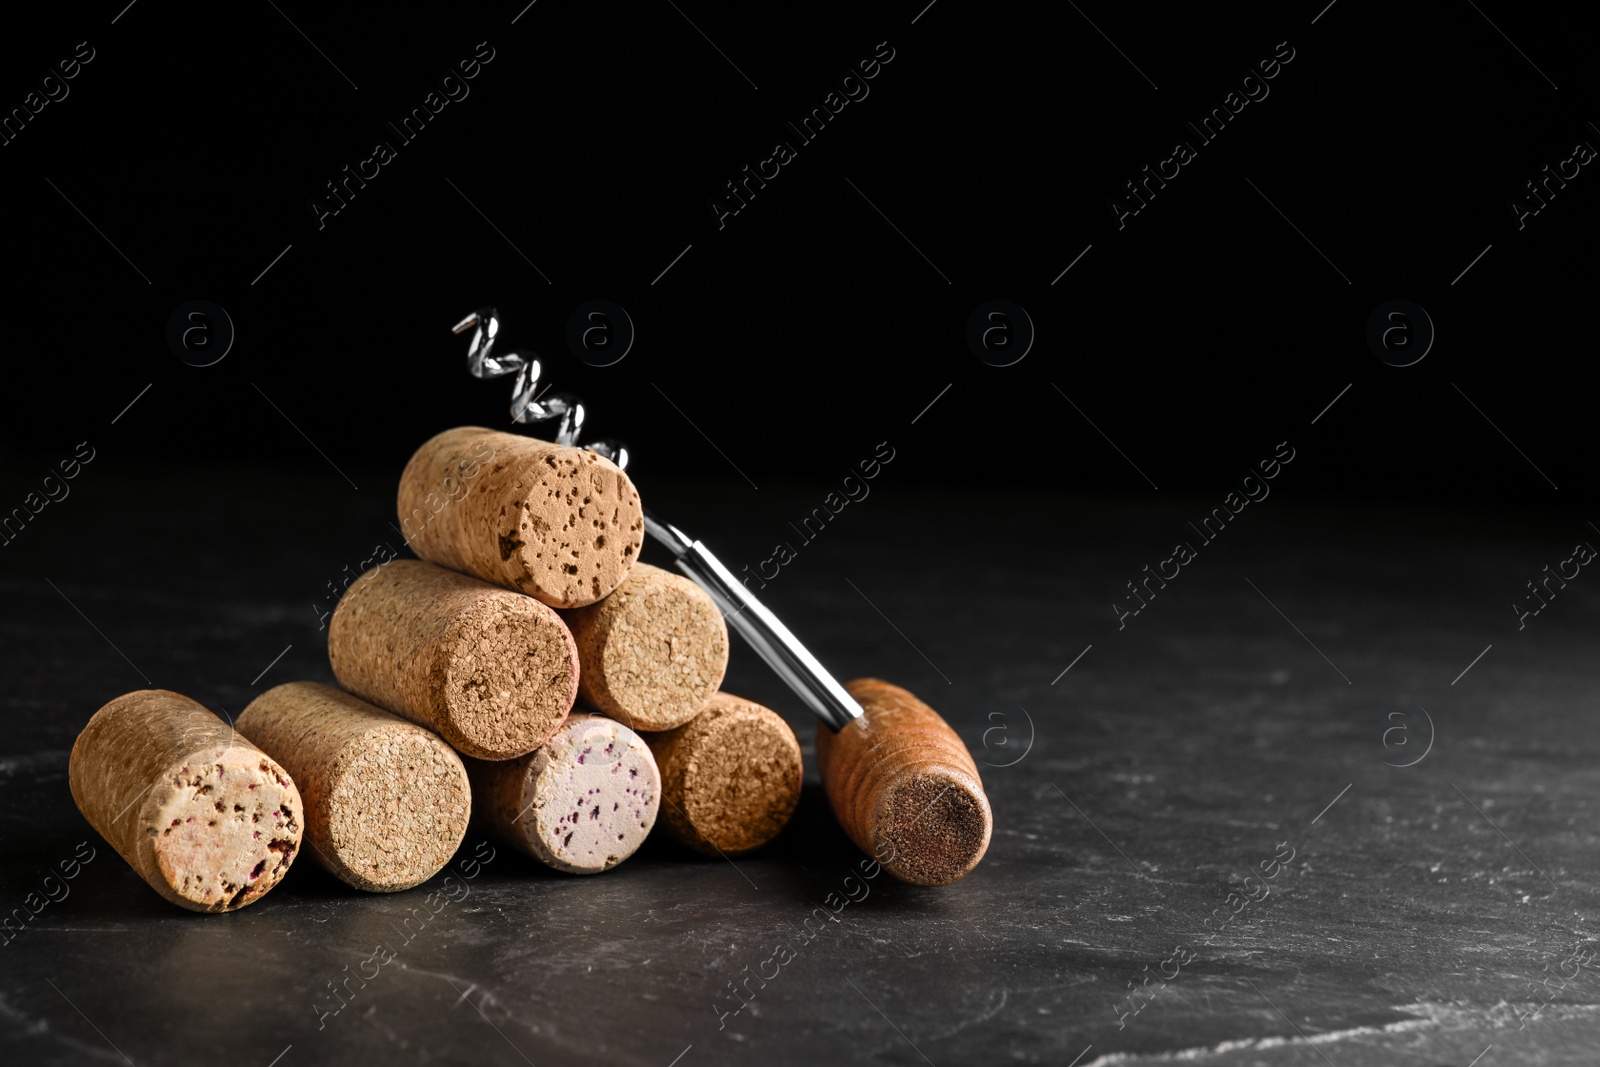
<point>1265,701</point>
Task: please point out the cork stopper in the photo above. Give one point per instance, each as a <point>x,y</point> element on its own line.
<point>492,672</point>
<point>559,524</point>
<point>730,777</point>
<point>386,801</point>
<point>651,654</point>
<point>581,804</point>
<point>205,817</point>
<point>903,786</point>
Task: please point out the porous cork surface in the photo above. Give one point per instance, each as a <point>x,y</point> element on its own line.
<point>205,817</point>
<point>904,787</point>
<point>730,777</point>
<point>491,671</point>
<point>386,801</point>
<point>560,524</point>
<point>650,654</point>
<point>581,804</point>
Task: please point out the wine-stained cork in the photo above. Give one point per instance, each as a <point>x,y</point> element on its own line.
<point>560,524</point>
<point>580,804</point>
<point>730,777</point>
<point>492,672</point>
<point>903,785</point>
<point>652,652</point>
<point>386,801</point>
<point>208,819</point>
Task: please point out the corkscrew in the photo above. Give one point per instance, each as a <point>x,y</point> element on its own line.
<point>887,760</point>
<point>527,406</point>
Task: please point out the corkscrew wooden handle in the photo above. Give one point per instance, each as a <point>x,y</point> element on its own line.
<point>904,787</point>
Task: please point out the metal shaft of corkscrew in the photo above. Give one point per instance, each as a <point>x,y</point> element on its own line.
<point>771,639</point>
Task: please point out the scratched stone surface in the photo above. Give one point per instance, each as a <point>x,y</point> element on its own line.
<point>1207,849</point>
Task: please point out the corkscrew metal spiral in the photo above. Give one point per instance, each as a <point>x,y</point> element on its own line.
<point>527,406</point>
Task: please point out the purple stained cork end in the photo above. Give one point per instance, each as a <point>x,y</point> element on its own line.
<point>581,804</point>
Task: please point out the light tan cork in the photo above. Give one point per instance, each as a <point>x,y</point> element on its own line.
<point>580,804</point>
<point>208,819</point>
<point>651,654</point>
<point>560,524</point>
<point>903,785</point>
<point>491,671</point>
<point>730,777</point>
<point>386,801</point>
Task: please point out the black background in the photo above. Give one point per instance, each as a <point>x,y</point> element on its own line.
<point>807,330</point>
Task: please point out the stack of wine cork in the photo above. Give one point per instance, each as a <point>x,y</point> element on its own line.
<point>466,641</point>
<point>564,527</point>
<point>459,675</point>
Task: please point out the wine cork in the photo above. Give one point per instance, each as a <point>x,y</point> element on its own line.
<point>580,804</point>
<point>903,785</point>
<point>651,654</point>
<point>492,672</point>
<point>386,801</point>
<point>208,819</point>
<point>730,777</point>
<point>560,524</point>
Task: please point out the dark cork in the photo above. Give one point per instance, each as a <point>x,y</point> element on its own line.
<point>730,777</point>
